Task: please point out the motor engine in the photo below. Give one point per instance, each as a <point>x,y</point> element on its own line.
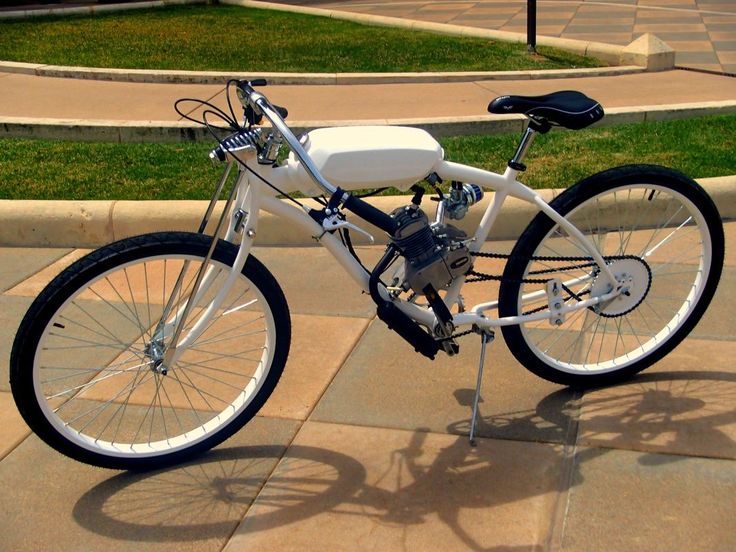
<point>435,254</point>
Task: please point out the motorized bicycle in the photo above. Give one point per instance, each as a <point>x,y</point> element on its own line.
<point>157,347</point>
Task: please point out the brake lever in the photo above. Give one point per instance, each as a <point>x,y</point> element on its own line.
<point>334,222</point>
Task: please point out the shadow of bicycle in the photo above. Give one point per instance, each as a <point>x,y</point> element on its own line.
<point>429,476</point>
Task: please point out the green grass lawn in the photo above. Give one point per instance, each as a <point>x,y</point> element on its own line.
<point>36,169</point>
<point>231,38</point>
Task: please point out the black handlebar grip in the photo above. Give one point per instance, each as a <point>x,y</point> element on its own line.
<point>281,111</point>
<point>258,82</point>
<point>366,211</point>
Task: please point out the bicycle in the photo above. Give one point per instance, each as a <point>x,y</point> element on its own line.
<point>158,347</point>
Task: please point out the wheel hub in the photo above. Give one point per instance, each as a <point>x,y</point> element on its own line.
<point>635,278</point>
<point>155,352</point>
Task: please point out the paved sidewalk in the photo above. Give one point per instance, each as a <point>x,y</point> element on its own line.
<point>702,32</point>
<point>362,448</point>
<point>74,99</point>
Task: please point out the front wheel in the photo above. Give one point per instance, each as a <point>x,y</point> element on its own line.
<point>86,366</point>
<point>660,234</point>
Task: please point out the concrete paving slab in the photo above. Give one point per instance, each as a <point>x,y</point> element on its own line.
<point>31,287</point>
<point>17,264</point>
<point>319,346</point>
<point>718,322</point>
<point>385,383</point>
<point>342,487</point>
<point>13,429</point>
<point>314,283</point>
<point>682,405</point>
<point>629,501</point>
<point>729,231</point>
<point>54,503</point>
<point>12,310</point>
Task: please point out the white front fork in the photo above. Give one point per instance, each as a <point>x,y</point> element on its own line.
<point>246,202</point>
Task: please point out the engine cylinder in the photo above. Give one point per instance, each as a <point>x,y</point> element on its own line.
<point>413,235</point>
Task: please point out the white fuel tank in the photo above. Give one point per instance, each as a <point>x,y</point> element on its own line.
<point>366,157</point>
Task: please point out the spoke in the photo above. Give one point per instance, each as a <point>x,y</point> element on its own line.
<point>145,416</point>
<point>634,332</point>
<point>217,318</point>
<point>210,368</point>
<point>159,383</point>
<point>186,396</point>
<point>68,321</point>
<point>134,311</point>
<point>618,336</point>
<point>193,368</point>
<point>173,409</point>
<point>220,338</point>
<point>104,328</point>
<point>662,226</point>
<point>125,405</point>
<point>220,356</point>
<point>87,341</point>
<point>241,307</point>
<point>592,340</point>
<point>633,229</point>
<point>603,335</point>
<point>693,271</point>
<point>148,298</point>
<point>89,384</point>
<point>667,238</point>
<point>78,371</point>
<point>651,332</point>
<point>197,389</point>
<point>113,307</point>
<point>102,405</point>
<point>649,306</point>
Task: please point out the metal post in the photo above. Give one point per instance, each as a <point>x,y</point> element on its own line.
<point>531,26</point>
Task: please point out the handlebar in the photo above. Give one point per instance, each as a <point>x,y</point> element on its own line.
<point>249,97</point>
<point>259,105</point>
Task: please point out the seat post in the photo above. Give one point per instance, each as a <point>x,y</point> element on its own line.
<point>517,161</point>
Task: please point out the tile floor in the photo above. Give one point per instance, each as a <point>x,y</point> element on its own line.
<point>363,447</point>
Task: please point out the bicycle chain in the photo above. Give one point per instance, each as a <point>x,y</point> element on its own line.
<point>481,277</point>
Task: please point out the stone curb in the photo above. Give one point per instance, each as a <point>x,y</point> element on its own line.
<point>219,77</point>
<point>184,131</point>
<point>93,10</point>
<point>95,223</point>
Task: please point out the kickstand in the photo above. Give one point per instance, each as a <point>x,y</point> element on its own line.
<point>486,336</point>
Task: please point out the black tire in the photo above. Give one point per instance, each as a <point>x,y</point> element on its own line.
<point>660,310</point>
<point>89,334</point>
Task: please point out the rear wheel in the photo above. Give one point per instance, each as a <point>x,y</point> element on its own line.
<point>86,369</point>
<point>660,233</point>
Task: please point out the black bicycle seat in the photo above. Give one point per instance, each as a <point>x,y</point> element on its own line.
<point>569,108</point>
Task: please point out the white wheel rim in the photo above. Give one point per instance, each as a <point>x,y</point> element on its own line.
<point>653,341</point>
<point>236,403</point>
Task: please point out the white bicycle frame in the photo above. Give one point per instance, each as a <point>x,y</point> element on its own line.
<point>252,196</point>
